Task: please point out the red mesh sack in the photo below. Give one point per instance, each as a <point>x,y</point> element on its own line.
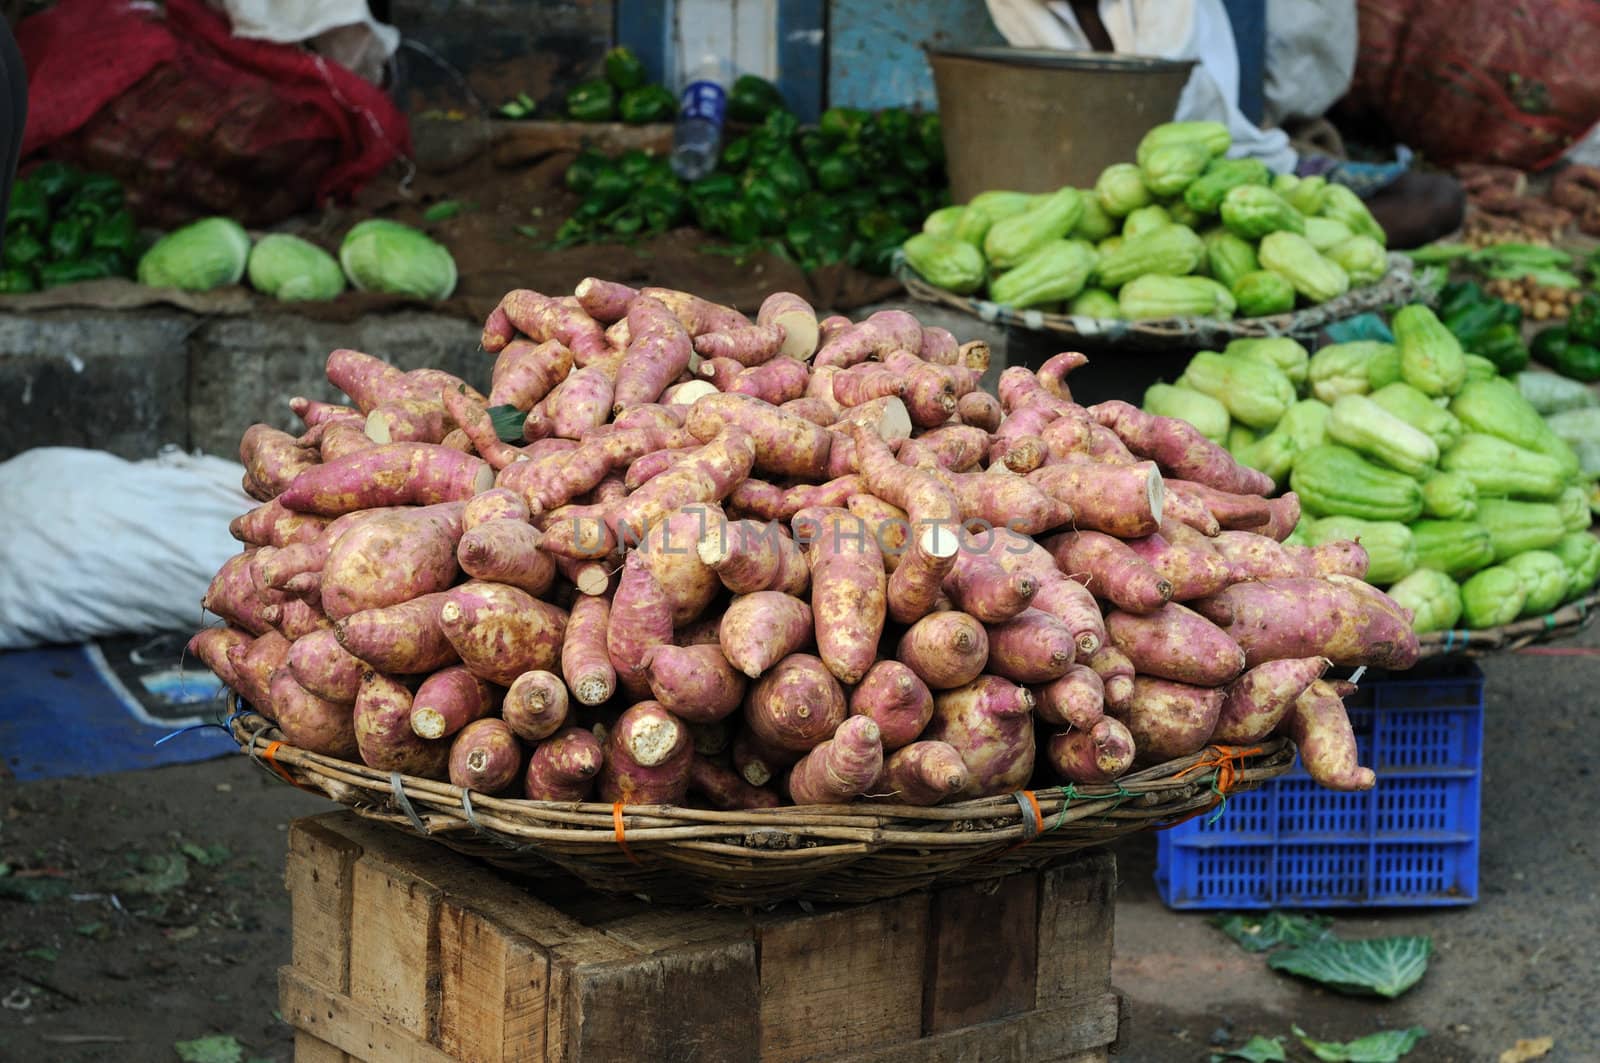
<point>1494,81</point>
<point>195,121</point>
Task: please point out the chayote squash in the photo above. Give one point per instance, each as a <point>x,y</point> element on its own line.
<point>1336,481</point>
<point>1515,527</point>
<point>1230,257</point>
<point>1203,411</point>
<point>1342,369</point>
<point>1430,355</point>
<point>1573,503</point>
<point>1449,496</point>
<point>1013,239</point>
<point>1367,428</point>
<point>1155,298</point>
<point>1433,598</point>
<point>1252,211</point>
<point>1256,393</point>
<point>1497,408</point>
<point>1055,272</point>
<point>1391,551</point>
<point>1096,303</point>
<point>1340,203</point>
<point>1212,137</point>
<point>1094,224</point>
<point>1324,233</point>
<point>1492,597</point>
<point>1204,195</point>
<point>1362,257</point>
<point>945,262</point>
<point>1263,293</point>
<point>1457,548</point>
<point>1120,189</point>
<point>1144,220</point>
<point>1544,578</point>
<point>1292,256</point>
<point>1501,469</point>
<point>1172,250</point>
<point>944,221</point>
<point>1169,169</point>
<point>1282,351</point>
<point>1580,552</point>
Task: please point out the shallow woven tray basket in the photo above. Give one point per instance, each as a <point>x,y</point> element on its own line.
<point>845,853</point>
<point>1508,638</point>
<point>1400,286</point>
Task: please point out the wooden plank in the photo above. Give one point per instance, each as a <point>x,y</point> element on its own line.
<point>1077,910</point>
<point>982,953</point>
<point>663,929</point>
<point>520,143</point>
<point>358,1029</point>
<point>394,955</point>
<point>569,960</point>
<point>843,980</point>
<point>309,1049</point>
<point>317,874</point>
<point>695,1005</point>
<point>492,986</point>
<point>1077,1032</point>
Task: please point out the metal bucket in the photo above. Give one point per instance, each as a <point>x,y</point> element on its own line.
<point>1033,121</point>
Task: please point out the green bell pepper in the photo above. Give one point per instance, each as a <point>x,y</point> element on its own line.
<point>842,123</point>
<point>1583,323</point>
<point>592,101</point>
<point>610,187</point>
<point>102,187</point>
<point>788,174</point>
<point>1561,351</point>
<point>768,205</point>
<point>52,274</point>
<point>645,104</point>
<point>895,127</point>
<point>714,186</point>
<point>661,206</point>
<point>818,241</point>
<point>68,238</point>
<point>781,126</point>
<point>1501,344</point>
<point>635,164</point>
<point>623,69</point>
<point>752,98</point>
<point>736,154</point>
<point>584,169</point>
<point>23,250</point>
<point>731,218</point>
<point>835,172</point>
<point>15,281</point>
<point>857,200</point>
<point>57,179</point>
<point>30,207</point>
<point>118,233</point>
<point>115,264</point>
<point>880,225</point>
<point>930,130</point>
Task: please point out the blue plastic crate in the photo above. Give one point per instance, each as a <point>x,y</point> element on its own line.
<point>1411,840</point>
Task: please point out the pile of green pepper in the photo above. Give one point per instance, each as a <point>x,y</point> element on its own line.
<point>850,189</point>
<point>1573,349</point>
<point>1485,325</point>
<point>622,93</point>
<point>65,226</point>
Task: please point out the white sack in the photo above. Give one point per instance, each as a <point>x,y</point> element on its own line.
<point>342,30</point>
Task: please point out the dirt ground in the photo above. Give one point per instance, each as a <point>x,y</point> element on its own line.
<point>144,909</point>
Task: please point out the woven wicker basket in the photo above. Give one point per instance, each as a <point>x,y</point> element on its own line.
<point>1567,620</point>
<point>1399,287</point>
<point>845,853</point>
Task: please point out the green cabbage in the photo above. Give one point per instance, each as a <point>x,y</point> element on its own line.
<point>198,257</point>
<point>290,269</point>
<point>385,256</point>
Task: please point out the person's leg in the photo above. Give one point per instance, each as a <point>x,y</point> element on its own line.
<point>13,115</point>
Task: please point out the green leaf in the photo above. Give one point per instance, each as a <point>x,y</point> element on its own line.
<point>5,869</point>
<point>1386,1046</point>
<point>160,873</point>
<point>209,856</point>
<point>33,890</point>
<point>1258,933</point>
<point>530,231</point>
<point>218,1048</point>
<point>443,210</point>
<point>91,930</point>
<point>1256,1050</point>
<point>1383,966</point>
<point>47,955</point>
<point>508,422</point>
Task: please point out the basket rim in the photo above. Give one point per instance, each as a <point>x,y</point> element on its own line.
<point>1508,638</point>
<point>1401,284</point>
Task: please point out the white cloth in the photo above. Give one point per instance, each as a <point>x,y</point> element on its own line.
<point>342,30</point>
<point>1162,29</point>
<point>92,545</point>
<point>1311,56</point>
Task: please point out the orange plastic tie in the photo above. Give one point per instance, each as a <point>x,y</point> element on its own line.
<point>269,754</point>
<point>1228,762</point>
<point>621,831</point>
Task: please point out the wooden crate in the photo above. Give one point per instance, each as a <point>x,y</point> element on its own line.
<point>404,952</point>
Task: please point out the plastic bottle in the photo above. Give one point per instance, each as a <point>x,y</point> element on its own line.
<point>697,139</point>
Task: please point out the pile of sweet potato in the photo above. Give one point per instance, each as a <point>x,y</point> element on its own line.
<point>746,563</point>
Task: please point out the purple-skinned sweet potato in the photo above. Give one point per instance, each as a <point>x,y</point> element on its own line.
<point>585,661</point>
<point>1101,754</point>
<point>694,683</point>
<point>1167,719</point>
<point>1031,647</point>
<point>394,474</point>
<point>1180,449</point>
<point>326,668</point>
<point>392,558</point>
<point>563,767</point>
<point>1178,644</point>
<point>212,644</point>
<point>671,553</point>
<point>640,620</point>
<point>839,769</point>
<point>760,629</point>
<point>501,632</point>
<point>536,705</point>
<point>648,758</point>
<point>990,723</point>
<point>485,757</point>
<point>922,773</point>
<point>1121,500</point>
<point>1109,569</point>
<point>383,731</point>
<point>448,700</point>
<point>849,599</point>
<point>896,700</point>
<point>253,665</point>
<point>725,789</point>
<point>796,704</point>
<point>1193,572</point>
<point>1277,618</point>
<point>507,551</point>
<point>1259,699</point>
<point>1116,674</point>
<point>309,722</point>
<point>1077,699</point>
<point>402,639</point>
<point>945,649</point>
<point>1321,730</point>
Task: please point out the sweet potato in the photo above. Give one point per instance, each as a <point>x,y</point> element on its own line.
<point>891,530</point>
<point>956,448</point>
<point>841,768</point>
<point>939,346</point>
<point>402,639</point>
<point>946,649</point>
<point>978,585</point>
<point>849,599</point>
<point>707,475</point>
<point>896,700</point>
<point>929,393</point>
<point>507,551</point>
<point>473,418</point>
<point>1252,556</point>
<point>1028,422</point>
<point>974,354</point>
<point>408,421</point>
<point>757,763</point>
<point>396,474</point>
<point>659,349</point>
<point>392,558</point>
<point>313,413</point>
<point>1320,727</point>
<point>1077,699</point>
<point>368,381</point>
<point>1188,511</point>
<point>309,722</point>
<point>577,532</point>
<point>1065,599</point>
<point>1284,515</point>
<point>785,445</point>
<point>727,790</point>
<point>1341,557</point>
<point>1178,644</point>
<point>212,644</point>
<point>795,705</point>
<point>1031,647</point>
<point>1259,699</point>
<point>526,372</point>
<point>501,632</point>
<point>795,317</point>
<point>760,629</point>
<point>749,345</point>
<point>535,705</point>
<point>1019,388</point>
<point>1180,449</point>
<point>233,596</point>
<point>694,683</point>
<point>495,504</point>
<point>1193,572</point>
<point>648,757</point>
<point>1167,719</point>
<point>497,331</point>
<point>543,318</point>
<point>325,668</point>
<point>253,664</point>
<point>383,731</point>
<point>605,301</point>
<point>687,393</point>
<point>1116,675</point>
<point>1074,435</point>
<point>647,467</point>
<point>1120,500</point>
<point>720,372</point>
<point>1109,569</point>
<point>922,773</point>
<point>980,410</point>
<point>1004,500</point>
<point>880,334</point>
<point>671,553</point>
<point>585,661</point>
<point>448,700</point>
<point>640,619</point>
<point>1053,373</point>
<point>1101,754</point>
<point>485,757</point>
<point>270,524</point>
<point>1234,511</point>
<point>295,617</point>
<point>990,723</point>
<point>831,326</point>
<point>818,410</point>
<point>580,403</point>
<point>1278,618</point>
<point>749,556</point>
<point>341,440</point>
<point>698,316</point>
<point>563,767</point>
